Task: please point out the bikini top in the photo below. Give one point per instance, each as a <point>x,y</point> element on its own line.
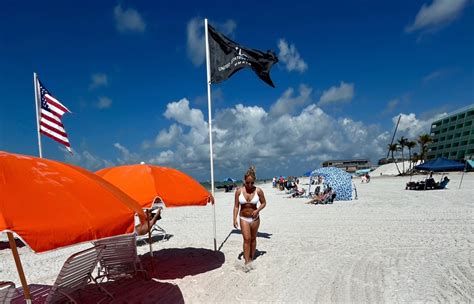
<point>254,200</point>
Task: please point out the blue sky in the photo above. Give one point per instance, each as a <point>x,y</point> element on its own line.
<point>133,74</point>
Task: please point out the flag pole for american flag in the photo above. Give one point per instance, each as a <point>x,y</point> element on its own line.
<point>208,65</point>
<point>35,80</point>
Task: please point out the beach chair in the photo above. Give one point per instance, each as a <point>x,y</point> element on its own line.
<point>75,274</point>
<point>7,292</point>
<point>119,259</point>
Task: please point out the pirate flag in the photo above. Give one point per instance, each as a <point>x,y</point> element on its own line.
<point>228,57</point>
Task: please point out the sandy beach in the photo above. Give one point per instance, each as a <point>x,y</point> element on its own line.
<point>389,246</point>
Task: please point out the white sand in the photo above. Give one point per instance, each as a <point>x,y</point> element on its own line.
<point>391,245</point>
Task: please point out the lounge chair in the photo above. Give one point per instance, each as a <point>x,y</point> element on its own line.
<point>7,292</point>
<point>119,259</point>
<point>73,277</point>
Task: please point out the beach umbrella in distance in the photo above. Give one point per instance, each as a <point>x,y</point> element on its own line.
<point>50,204</point>
<point>145,182</point>
<point>230,179</point>
<point>339,180</point>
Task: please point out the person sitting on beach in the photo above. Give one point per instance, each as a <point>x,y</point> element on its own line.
<point>247,199</point>
<point>143,228</point>
<point>299,191</point>
<point>442,184</point>
<point>322,198</point>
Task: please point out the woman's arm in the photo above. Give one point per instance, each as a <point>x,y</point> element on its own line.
<point>263,203</point>
<point>236,208</point>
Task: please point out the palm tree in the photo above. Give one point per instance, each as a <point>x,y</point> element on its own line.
<point>410,145</point>
<point>402,142</point>
<point>392,148</point>
<point>424,140</point>
<point>415,158</point>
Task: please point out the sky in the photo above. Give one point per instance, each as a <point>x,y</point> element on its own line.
<point>133,73</point>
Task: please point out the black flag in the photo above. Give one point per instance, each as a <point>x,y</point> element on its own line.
<point>228,57</point>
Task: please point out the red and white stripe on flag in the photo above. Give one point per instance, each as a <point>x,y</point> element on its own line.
<point>51,111</point>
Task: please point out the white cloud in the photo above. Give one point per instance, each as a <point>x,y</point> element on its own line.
<point>290,57</point>
<point>196,47</point>
<point>163,158</point>
<point>344,92</point>
<point>275,141</point>
<point>127,157</point>
<point>128,20</point>
<point>288,103</point>
<point>98,80</point>
<point>412,127</point>
<point>87,160</point>
<point>166,138</point>
<point>437,14</point>
<point>391,105</point>
<point>104,102</point>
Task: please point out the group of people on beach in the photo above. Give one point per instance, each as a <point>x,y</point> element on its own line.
<point>428,184</point>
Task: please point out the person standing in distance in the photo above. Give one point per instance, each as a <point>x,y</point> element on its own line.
<point>247,199</point>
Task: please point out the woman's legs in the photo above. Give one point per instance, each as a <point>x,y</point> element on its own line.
<point>253,235</point>
<point>245,229</point>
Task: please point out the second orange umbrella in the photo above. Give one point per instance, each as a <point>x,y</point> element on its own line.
<point>145,182</point>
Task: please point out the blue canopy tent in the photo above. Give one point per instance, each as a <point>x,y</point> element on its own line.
<point>230,179</point>
<point>339,180</point>
<point>441,164</point>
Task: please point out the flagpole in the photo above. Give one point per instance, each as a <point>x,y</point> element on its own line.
<point>208,67</point>
<point>35,82</point>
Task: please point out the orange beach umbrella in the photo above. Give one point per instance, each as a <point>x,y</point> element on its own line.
<point>50,204</point>
<point>145,182</point>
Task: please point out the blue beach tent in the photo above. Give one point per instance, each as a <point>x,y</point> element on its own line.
<point>339,180</point>
<point>441,164</point>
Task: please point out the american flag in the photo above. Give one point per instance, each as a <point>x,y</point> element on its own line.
<point>50,117</point>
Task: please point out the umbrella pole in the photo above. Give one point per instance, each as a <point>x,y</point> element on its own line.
<point>26,290</point>
<point>149,241</point>
<point>465,165</point>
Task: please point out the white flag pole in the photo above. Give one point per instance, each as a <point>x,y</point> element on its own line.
<point>208,66</point>
<point>35,83</point>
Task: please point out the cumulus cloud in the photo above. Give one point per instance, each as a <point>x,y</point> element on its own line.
<point>104,102</point>
<point>274,140</point>
<point>290,56</point>
<point>98,80</point>
<point>196,48</point>
<point>411,126</point>
<point>437,14</point>
<point>128,20</point>
<point>343,92</point>
<point>86,159</point>
<point>287,103</point>
<point>127,157</point>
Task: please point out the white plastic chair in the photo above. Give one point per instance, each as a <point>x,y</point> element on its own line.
<point>119,259</point>
<point>7,292</point>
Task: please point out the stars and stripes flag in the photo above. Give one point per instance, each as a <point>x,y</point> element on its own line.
<point>51,111</point>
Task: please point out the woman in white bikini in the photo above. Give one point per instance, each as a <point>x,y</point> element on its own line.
<point>247,198</point>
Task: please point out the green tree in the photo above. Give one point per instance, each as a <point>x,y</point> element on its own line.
<point>410,145</point>
<point>393,148</point>
<point>402,142</point>
<point>424,140</point>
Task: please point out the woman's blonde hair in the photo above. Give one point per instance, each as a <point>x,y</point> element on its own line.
<point>250,172</point>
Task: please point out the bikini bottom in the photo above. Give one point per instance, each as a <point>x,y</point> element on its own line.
<point>249,220</point>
